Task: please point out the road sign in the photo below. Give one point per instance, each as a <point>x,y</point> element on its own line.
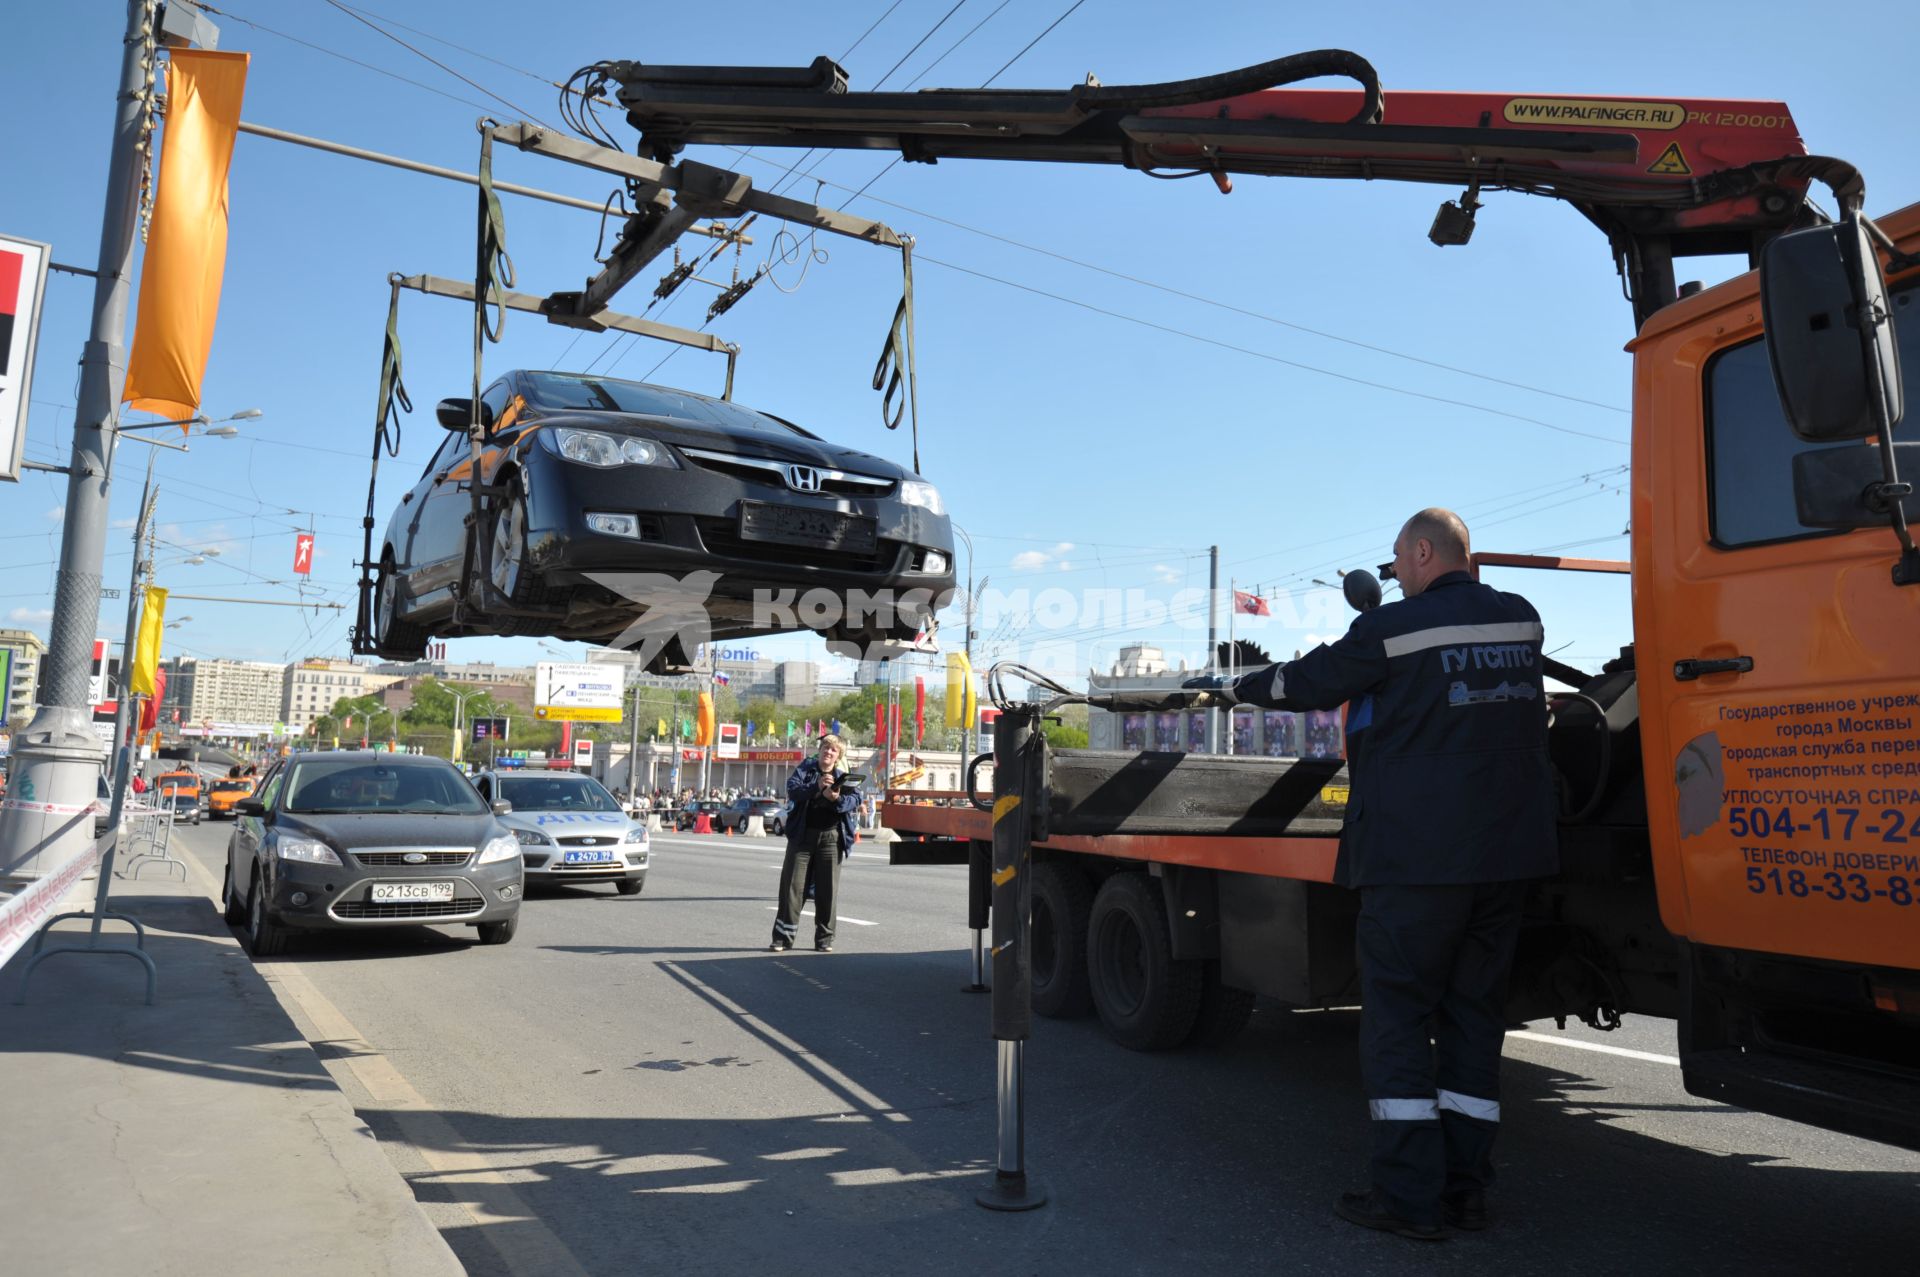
<point>303,553</point>
<point>729,741</point>
<point>577,693</point>
<point>23,282</point>
<point>583,755</point>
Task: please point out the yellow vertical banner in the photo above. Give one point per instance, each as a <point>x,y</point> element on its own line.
<point>146,647</point>
<point>186,256</point>
<point>959,689</point>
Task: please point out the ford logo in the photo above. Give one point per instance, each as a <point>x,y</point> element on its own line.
<point>415,857</point>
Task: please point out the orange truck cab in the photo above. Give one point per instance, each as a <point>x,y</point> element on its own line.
<point>181,782</point>
<point>222,794</point>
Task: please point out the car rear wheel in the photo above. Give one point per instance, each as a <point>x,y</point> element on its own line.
<point>498,932</point>
<point>396,638</point>
<point>232,908</point>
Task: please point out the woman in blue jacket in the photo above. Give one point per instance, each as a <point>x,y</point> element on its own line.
<point>819,834</point>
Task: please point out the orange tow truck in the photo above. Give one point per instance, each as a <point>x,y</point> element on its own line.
<point>1740,830</point>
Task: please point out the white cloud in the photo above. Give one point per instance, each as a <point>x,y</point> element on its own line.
<point>31,614</point>
<point>1166,575</point>
<point>1062,547</point>
<point>126,524</point>
<point>1065,566</point>
<point>56,514</point>
<point>1028,560</point>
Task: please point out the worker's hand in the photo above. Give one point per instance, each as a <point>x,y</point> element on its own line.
<point>1217,689</point>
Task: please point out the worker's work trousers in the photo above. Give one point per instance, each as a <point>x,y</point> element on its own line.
<point>1434,962</point>
<point>815,855</point>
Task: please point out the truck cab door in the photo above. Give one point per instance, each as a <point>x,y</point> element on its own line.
<point>1778,664</point>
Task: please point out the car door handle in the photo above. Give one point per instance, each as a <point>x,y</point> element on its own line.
<point>1694,666</point>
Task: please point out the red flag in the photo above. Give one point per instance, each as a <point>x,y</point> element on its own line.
<point>1250,604</point>
<point>566,739</point>
<point>919,709</point>
<point>879,723</point>
<point>893,712</point>
<point>303,553</point>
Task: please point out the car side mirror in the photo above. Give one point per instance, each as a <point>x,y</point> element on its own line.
<point>1830,333</point>
<point>457,414</point>
<point>1846,487</point>
<point>502,807</point>
<point>250,807</point>
<point>1362,589</point>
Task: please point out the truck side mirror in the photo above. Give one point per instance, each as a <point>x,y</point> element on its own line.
<point>1846,487</point>
<point>1830,332</point>
<point>1362,589</point>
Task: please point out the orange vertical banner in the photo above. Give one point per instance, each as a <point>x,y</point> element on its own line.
<point>186,256</point>
<point>704,722</point>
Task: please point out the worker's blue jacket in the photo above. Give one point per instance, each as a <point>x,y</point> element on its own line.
<point>800,790</point>
<point>1447,730</point>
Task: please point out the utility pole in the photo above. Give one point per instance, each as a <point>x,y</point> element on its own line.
<point>1213,640</point>
<point>633,749</point>
<point>57,757</point>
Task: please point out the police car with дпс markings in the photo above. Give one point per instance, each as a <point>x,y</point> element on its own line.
<point>570,828</point>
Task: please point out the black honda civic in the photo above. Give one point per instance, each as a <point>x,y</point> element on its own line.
<point>603,500</point>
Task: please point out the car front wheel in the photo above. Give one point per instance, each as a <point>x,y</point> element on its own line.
<point>498,932</point>
<point>265,937</point>
<point>629,886</point>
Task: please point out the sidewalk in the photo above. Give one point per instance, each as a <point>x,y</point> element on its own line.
<point>200,1135</point>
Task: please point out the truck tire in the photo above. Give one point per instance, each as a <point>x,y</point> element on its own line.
<point>1062,905</point>
<point>1147,999</point>
<point>1224,1010</point>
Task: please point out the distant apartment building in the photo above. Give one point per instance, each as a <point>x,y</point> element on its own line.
<point>229,692</point>
<point>312,688</point>
<point>23,688</point>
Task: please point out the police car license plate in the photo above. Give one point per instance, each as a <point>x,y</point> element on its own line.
<point>391,893</point>
<point>587,857</point>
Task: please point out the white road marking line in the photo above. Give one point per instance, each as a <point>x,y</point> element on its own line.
<point>858,922</point>
<point>1578,1045</point>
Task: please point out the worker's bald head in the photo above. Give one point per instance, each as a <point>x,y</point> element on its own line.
<point>1431,544</point>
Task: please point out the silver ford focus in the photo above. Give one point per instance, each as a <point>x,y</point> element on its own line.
<point>570,828</point>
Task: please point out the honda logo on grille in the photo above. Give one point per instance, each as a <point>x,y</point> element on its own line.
<point>415,857</point>
<point>803,478</point>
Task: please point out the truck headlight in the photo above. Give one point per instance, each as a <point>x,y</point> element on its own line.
<point>305,850</point>
<point>924,495</point>
<point>505,847</point>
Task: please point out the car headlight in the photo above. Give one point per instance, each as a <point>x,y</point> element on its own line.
<point>528,838</point>
<point>505,847</point>
<point>636,835</point>
<point>305,849</point>
<point>592,448</point>
<point>924,495</point>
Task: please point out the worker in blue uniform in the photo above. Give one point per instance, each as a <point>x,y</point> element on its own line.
<point>1452,815</point>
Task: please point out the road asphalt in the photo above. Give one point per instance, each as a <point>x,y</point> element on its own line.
<point>636,1083</point>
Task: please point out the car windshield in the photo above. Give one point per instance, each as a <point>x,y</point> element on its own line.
<point>609,394</point>
<point>232,786</point>
<point>556,793</point>
<point>354,785</point>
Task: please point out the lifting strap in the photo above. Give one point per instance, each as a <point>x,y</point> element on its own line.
<point>492,276</point>
<point>896,358</point>
<point>392,401</point>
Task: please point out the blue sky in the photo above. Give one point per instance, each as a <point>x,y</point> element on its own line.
<point>1082,451</point>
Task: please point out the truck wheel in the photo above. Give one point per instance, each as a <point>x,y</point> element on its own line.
<point>1146,998</point>
<point>1062,904</point>
<point>1224,1010</point>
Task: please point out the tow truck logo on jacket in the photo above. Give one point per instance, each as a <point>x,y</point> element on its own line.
<point>1489,656</point>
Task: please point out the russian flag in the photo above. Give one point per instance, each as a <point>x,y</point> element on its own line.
<point>721,678</point>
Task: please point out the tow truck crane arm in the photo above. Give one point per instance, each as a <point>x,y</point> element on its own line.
<point>1664,178</point>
